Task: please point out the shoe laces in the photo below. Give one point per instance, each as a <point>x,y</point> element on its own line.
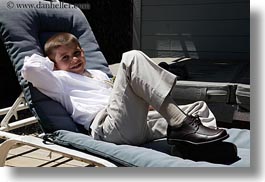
<point>196,122</point>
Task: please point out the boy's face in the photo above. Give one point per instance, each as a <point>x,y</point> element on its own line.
<point>70,58</point>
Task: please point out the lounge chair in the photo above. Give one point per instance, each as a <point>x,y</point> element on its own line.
<point>23,31</point>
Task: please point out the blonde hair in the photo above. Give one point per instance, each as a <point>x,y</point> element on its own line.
<point>58,40</point>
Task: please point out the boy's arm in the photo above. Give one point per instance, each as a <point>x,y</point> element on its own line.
<point>39,71</point>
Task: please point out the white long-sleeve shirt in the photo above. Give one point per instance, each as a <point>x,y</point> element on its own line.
<point>83,97</point>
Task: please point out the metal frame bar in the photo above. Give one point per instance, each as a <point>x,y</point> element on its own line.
<point>9,112</point>
<point>12,140</point>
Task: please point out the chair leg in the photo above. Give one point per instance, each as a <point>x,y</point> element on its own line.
<point>4,149</point>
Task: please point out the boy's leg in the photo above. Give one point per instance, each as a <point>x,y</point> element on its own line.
<point>139,83</point>
<point>157,125</point>
<point>200,109</point>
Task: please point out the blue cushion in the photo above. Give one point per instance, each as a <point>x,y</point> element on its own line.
<point>24,31</point>
<point>154,154</point>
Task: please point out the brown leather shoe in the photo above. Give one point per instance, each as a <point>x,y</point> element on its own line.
<point>194,132</point>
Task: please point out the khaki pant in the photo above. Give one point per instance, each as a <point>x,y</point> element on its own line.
<point>139,83</point>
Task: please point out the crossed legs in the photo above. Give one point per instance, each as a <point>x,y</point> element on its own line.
<point>140,83</point>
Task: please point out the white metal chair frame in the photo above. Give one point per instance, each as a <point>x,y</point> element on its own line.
<point>19,104</point>
<point>12,140</point>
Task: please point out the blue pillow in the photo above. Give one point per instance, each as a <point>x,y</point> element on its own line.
<point>24,31</point>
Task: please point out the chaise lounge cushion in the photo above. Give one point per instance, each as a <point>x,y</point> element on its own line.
<point>154,154</point>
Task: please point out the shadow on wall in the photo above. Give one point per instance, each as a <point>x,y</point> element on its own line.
<point>10,88</point>
<point>180,46</point>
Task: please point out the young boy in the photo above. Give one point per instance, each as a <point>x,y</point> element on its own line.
<point>118,113</point>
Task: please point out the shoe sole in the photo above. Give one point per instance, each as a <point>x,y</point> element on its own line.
<point>177,141</point>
